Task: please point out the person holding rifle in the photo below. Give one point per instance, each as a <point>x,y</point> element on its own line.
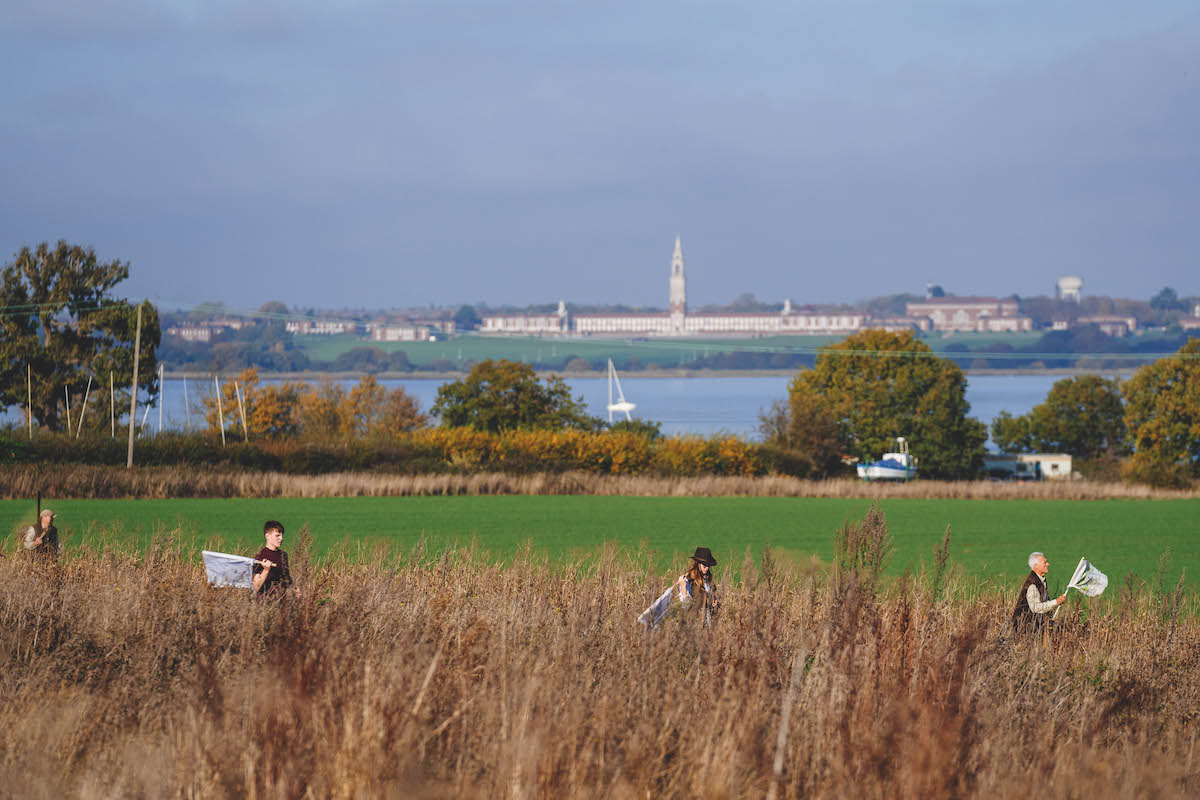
<point>272,578</point>
<point>41,538</point>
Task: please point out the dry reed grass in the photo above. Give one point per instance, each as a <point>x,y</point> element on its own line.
<point>92,482</point>
<point>444,675</point>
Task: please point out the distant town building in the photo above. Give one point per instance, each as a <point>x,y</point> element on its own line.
<point>1114,326</point>
<point>381,332</point>
<point>897,324</point>
<point>1069,287</point>
<point>979,314</point>
<point>527,324</point>
<point>191,333</point>
<point>434,324</point>
<point>320,327</point>
<point>678,322</point>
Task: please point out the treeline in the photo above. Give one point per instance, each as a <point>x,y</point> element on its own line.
<point>874,386</point>
<point>1145,429</point>
<point>1085,345</point>
<point>458,451</point>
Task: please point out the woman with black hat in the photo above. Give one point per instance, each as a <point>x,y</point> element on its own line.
<point>695,589</point>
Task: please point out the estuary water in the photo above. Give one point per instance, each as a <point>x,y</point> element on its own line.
<point>682,405</point>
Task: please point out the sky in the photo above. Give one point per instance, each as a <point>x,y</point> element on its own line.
<point>388,154</point>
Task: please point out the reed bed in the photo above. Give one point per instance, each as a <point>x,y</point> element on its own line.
<point>93,482</point>
<point>421,675</point>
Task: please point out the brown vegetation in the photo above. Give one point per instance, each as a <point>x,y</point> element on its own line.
<point>440,676</point>
<point>92,482</point>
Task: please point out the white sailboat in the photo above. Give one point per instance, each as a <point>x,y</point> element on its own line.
<point>622,405</point>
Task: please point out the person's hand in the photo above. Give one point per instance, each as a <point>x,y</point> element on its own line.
<point>265,563</point>
<point>1061,600</point>
<point>37,541</point>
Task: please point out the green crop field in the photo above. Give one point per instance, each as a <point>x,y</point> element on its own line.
<point>469,347</point>
<point>990,538</point>
<point>664,353</point>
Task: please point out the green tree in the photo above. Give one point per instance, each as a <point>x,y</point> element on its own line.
<point>1162,414</point>
<point>466,318</point>
<point>1012,434</point>
<point>61,323</point>
<point>1166,300</point>
<point>507,395</point>
<point>813,432</point>
<point>1082,416</point>
<point>874,386</point>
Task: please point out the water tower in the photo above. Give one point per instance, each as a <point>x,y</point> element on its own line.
<point>1069,287</point>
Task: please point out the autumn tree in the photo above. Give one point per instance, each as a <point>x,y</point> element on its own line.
<point>874,386</point>
<point>507,395</point>
<point>1162,415</point>
<point>375,411</point>
<point>61,325</point>
<point>272,410</point>
<point>322,410</point>
<point>367,409</point>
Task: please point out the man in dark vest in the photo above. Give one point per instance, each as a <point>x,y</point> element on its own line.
<point>1034,603</point>
<point>42,538</point>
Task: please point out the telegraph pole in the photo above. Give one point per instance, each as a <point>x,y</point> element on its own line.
<point>137,351</point>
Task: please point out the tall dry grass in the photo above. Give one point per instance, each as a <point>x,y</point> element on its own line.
<point>88,481</point>
<point>448,676</point>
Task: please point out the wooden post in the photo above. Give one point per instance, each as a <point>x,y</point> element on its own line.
<point>112,405</point>
<point>161,392</point>
<point>220,413</point>
<point>83,410</point>
<point>29,377</point>
<point>137,352</point>
<point>67,392</point>
<point>237,391</point>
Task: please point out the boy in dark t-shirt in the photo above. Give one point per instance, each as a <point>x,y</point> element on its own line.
<point>271,575</point>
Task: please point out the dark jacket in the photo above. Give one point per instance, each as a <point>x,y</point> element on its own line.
<point>1023,618</point>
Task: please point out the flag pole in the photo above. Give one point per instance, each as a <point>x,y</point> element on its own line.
<point>83,410</point>
<point>1074,576</point>
<point>220,415</point>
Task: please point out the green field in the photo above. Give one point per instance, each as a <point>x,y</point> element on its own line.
<point>534,350</point>
<point>990,538</point>
<point>664,353</point>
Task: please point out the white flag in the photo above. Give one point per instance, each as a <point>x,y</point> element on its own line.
<point>228,570</point>
<point>1088,579</point>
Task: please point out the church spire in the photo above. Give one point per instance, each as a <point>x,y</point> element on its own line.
<point>678,289</point>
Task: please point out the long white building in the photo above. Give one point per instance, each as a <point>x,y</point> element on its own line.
<point>678,322</point>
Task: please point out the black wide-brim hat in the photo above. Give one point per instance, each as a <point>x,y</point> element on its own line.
<point>704,556</point>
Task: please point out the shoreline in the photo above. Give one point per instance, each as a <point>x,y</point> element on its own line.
<point>449,375</point>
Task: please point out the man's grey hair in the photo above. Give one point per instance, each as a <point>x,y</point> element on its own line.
<point>1033,557</point>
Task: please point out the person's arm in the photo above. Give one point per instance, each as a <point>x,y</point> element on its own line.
<point>1033,596</point>
<point>260,577</point>
<point>685,597</point>
<point>32,540</point>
